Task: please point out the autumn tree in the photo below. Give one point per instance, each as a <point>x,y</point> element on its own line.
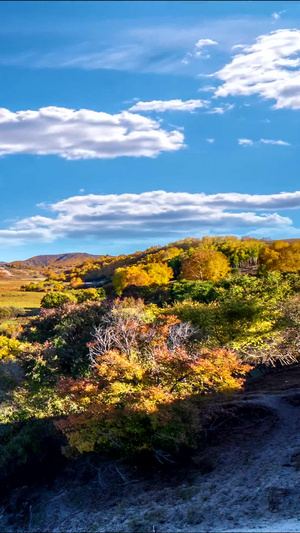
<point>133,275</point>
<point>205,265</point>
<point>76,282</point>
<point>160,273</point>
<point>281,256</point>
<point>137,398</point>
<point>141,275</point>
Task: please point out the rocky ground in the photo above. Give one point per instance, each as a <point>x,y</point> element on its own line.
<point>249,480</point>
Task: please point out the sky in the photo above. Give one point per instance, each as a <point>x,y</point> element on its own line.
<point>130,124</point>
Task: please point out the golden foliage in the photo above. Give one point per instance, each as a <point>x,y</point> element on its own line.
<point>205,265</point>
<point>281,256</point>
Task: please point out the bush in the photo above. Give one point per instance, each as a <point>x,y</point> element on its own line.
<point>28,451</point>
<point>200,291</point>
<point>9,348</point>
<point>11,312</point>
<point>69,327</point>
<point>140,397</point>
<point>92,294</point>
<point>57,299</point>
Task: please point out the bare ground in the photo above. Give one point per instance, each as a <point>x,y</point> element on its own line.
<point>254,486</point>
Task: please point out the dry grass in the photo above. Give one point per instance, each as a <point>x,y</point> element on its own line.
<point>10,295</point>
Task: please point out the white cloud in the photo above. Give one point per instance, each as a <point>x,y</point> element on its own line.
<point>277,16</point>
<point>271,141</point>
<point>84,134</point>
<point>207,89</point>
<point>221,109</point>
<point>250,142</point>
<point>268,68</point>
<point>161,106</point>
<point>153,214</point>
<point>198,50</point>
<point>205,42</point>
<point>210,141</point>
<point>245,142</point>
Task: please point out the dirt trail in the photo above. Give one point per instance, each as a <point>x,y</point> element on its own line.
<point>255,486</point>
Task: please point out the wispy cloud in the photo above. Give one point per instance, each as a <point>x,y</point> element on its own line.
<point>271,141</point>
<point>84,134</point>
<point>245,142</point>
<point>161,106</point>
<point>210,141</point>
<point>250,142</point>
<point>199,50</point>
<point>128,45</point>
<point>277,16</point>
<point>153,214</point>
<point>220,110</point>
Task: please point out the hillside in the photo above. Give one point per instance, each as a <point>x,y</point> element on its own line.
<point>229,487</point>
<point>177,379</point>
<point>61,260</point>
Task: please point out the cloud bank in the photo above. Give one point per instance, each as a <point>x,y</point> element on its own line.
<point>84,134</point>
<point>152,215</point>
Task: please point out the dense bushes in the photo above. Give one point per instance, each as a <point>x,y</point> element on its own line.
<point>69,328</point>
<point>29,452</point>
<point>56,299</point>
<point>137,398</point>
<point>10,312</point>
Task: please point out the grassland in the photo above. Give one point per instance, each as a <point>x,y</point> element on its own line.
<point>10,295</point>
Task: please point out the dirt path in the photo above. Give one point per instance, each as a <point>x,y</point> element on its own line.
<point>255,486</point>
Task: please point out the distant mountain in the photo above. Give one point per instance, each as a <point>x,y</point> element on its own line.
<point>55,260</point>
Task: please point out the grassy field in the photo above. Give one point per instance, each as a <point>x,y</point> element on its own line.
<point>10,295</point>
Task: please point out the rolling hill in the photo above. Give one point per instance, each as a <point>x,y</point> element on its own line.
<point>57,260</point>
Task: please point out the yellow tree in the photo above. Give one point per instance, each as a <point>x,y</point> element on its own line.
<point>205,265</point>
<point>281,256</point>
<point>133,275</point>
<point>76,282</point>
<point>159,273</point>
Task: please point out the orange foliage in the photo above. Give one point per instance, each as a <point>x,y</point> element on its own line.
<point>126,399</point>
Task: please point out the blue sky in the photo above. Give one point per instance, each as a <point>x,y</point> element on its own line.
<point>130,124</point>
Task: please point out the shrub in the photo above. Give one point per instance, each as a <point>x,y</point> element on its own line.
<point>69,327</point>
<point>140,398</point>
<point>9,348</point>
<point>200,291</point>
<point>56,299</point>
<point>10,312</point>
<point>92,294</point>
